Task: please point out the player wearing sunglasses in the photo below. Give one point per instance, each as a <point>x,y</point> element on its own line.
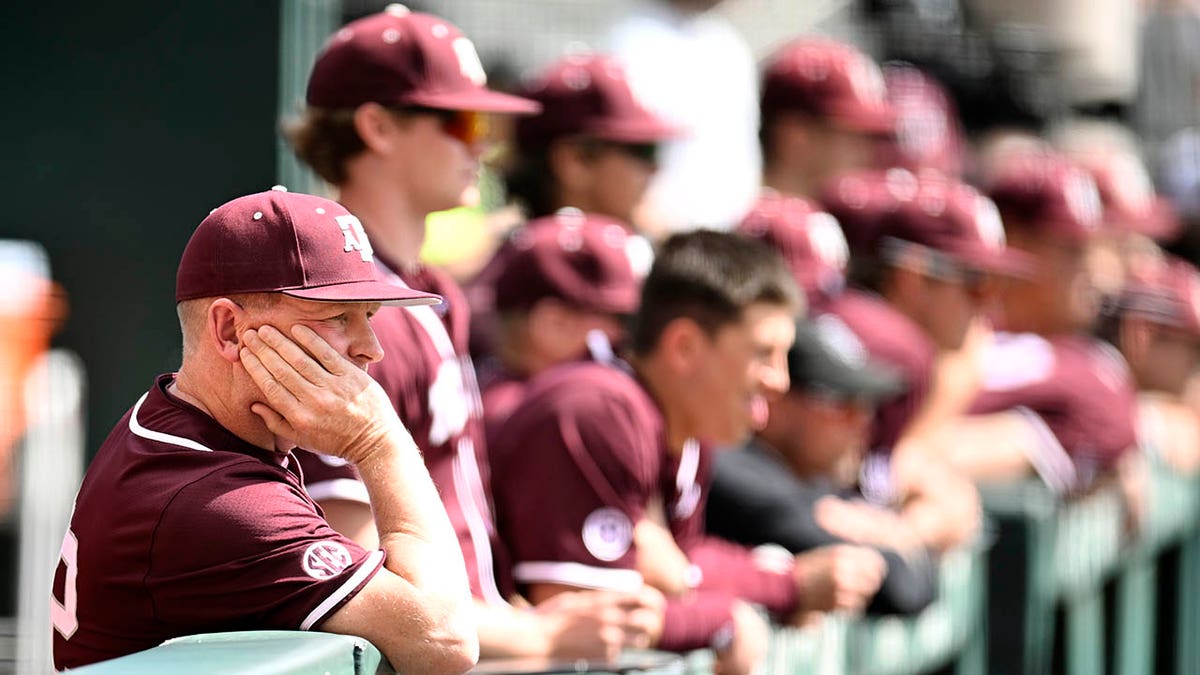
<point>396,122</point>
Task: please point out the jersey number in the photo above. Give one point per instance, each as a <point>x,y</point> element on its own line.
<point>62,614</point>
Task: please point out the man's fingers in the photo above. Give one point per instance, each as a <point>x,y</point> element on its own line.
<point>320,350</point>
<point>277,394</point>
<point>274,421</point>
<point>297,357</point>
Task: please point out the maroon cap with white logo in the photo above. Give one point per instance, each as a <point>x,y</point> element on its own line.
<point>578,258</point>
<point>809,239</point>
<point>1044,191</point>
<point>928,132</point>
<point>830,80</point>
<point>928,208</point>
<point>399,57</point>
<point>1167,294</point>
<point>278,241</point>
<point>588,94</point>
<point>1127,196</point>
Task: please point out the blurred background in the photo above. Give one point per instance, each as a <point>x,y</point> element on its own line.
<point>129,121</point>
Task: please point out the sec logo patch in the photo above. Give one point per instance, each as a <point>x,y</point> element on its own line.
<point>607,534</point>
<point>325,559</point>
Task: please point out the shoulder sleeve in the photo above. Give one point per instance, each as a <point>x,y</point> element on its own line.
<point>243,547</point>
<point>327,477</point>
<point>574,469</point>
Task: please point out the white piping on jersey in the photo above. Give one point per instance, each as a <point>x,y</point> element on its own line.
<point>466,476</point>
<point>369,566</point>
<point>468,482</point>
<point>579,575</point>
<point>139,430</point>
<point>685,479</point>
<point>1050,459</point>
<point>348,489</point>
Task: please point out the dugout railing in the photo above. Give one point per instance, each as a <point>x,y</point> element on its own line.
<point>1053,587</point>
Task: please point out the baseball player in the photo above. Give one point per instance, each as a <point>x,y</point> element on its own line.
<point>629,451</point>
<point>563,287</point>
<point>1054,400</point>
<point>393,121</point>
<point>192,517</point>
<point>823,112</point>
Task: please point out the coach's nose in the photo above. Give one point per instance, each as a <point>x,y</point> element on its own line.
<point>365,348</point>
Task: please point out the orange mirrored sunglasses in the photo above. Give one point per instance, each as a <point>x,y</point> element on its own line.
<point>468,126</point>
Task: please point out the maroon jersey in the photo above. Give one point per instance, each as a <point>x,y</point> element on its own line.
<point>1076,392</point>
<point>597,441</point>
<point>430,380</point>
<point>180,527</point>
<point>501,391</point>
<point>892,339</point>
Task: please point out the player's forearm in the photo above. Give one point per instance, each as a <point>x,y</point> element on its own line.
<point>414,529</point>
<point>507,632</point>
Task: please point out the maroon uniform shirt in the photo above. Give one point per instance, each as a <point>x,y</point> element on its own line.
<point>180,527</point>
<point>892,339</point>
<point>1075,391</point>
<point>430,380</point>
<point>581,460</point>
<point>501,391</point>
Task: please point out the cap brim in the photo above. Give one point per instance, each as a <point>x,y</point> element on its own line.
<point>881,122</point>
<point>1009,262</point>
<point>366,291</point>
<point>645,130</point>
<point>483,100</point>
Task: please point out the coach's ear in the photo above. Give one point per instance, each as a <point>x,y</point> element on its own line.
<point>225,321</point>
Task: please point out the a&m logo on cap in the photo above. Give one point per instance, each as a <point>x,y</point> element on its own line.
<point>355,236</point>
<point>1083,199</point>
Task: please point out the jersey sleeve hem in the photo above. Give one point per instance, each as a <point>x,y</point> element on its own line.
<point>353,585</point>
<point>1049,458</point>
<point>347,489</point>
<point>576,574</point>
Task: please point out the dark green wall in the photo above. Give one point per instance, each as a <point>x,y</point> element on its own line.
<point>124,123</point>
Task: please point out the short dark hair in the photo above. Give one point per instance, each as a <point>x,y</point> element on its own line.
<point>711,278</point>
<point>530,184</point>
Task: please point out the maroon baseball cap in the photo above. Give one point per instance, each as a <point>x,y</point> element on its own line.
<point>400,57</point>
<point>1043,190</point>
<point>296,244</point>
<point>830,80</point>
<point>578,258</point>
<point>809,239</point>
<point>588,94</point>
<point>877,208</point>
<point>928,132</point>
<point>1127,196</point>
<point>1167,294</point>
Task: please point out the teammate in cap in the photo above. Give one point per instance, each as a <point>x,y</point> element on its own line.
<point>922,249</point>
<point>393,122</point>
<point>1155,322</point>
<point>629,450</point>
<point>794,483</point>
<point>563,289</point>
<point>1054,400</point>
<point>823,112</point>
<point>192,517</point>
<point>593,148</point>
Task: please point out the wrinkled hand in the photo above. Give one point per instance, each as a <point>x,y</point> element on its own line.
<point>749,645</point>
<point>838,577</point>
<point>585,624</point>
<point>314,397</point>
